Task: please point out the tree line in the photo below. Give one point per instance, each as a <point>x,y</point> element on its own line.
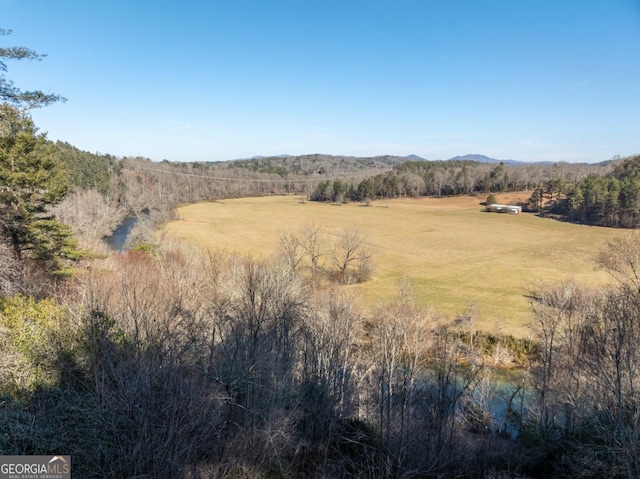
<point>452,177</point>
<point>612,199</point>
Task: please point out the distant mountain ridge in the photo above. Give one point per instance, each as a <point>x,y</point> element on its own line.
<point>484,159</point>
<point>412,157</point>
<point>260,157</point>
<point>390,160</point>
<point>285,155</point>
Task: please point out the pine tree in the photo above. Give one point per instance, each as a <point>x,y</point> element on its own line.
<point>9,93</point>
<point>30,182</point>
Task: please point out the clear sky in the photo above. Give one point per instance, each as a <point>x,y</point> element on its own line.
<point>530,80</point>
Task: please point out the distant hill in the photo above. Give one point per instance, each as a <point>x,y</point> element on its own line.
<point>484,159</point>
<point>260,157</point>
<point>318,165</point>
<point>388,161</point>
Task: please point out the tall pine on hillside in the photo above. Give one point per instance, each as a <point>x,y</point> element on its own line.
<point>30,180</point>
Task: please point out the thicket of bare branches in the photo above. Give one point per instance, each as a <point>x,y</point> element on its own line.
<point>586,412</point>
<point>11,277</point>
<point>185,364</point>
<point>346,259</point>
<point>90,215</point>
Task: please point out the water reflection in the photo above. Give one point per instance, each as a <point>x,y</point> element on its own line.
<point>118,238</point>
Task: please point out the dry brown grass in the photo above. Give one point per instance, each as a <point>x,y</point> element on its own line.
<point>455,253</point>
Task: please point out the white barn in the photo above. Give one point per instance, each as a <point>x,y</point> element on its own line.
<point>511,209</point>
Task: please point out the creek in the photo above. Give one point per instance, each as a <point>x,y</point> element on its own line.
<point>118,238</point>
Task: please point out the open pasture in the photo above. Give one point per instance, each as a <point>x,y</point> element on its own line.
<point>456,254</point>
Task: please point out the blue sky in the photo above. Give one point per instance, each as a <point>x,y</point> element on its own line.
<point>531,80</point>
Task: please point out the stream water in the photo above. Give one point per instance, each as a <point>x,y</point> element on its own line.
<point>118,238</point>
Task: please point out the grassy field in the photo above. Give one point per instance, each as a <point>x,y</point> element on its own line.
<point>455,253</point>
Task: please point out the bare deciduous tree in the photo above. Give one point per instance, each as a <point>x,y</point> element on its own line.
<point>560,314</point>
<point>329,365</point>
<point>11,275</point>
<point>612,356</point>
<point>351,249</point>
<point>621,259</point>
<point>291,250</point>
<point>311,241</point>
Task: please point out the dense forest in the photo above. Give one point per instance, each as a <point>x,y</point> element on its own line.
<point>612,199</point>
<point>167,362</point>
<point>606,194</point>
<point>454,177</point>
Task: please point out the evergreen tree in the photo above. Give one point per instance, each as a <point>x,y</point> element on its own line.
<point>30,182</point>
<point>9,93</point>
